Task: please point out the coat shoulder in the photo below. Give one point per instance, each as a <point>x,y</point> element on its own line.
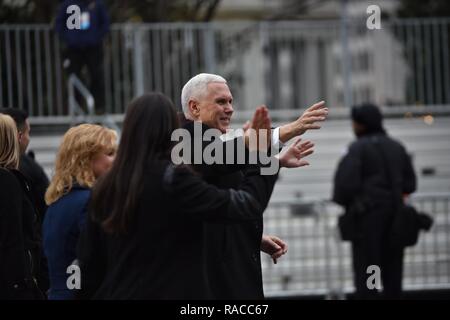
<point>357,145</point>
<point>79,195</point>
<point>8,180</point>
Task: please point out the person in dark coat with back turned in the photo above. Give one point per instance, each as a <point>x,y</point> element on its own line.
<point>34,173</point>
<point>144,235</point>
<point>36,180</point>
<point>373,167</point>
<point>19,241</point>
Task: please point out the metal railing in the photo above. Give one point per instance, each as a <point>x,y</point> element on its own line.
<point>75,109</point>
<point>284,64</point>
<point>319,263</point>
<point>77,114</point>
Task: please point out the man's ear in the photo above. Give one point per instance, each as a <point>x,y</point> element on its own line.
<point>20,135</point>
<point>194,109</point>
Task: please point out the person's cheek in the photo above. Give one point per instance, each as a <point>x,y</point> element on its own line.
<point>111,161</point>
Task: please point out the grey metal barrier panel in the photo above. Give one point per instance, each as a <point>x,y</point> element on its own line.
<point>285,64</point>
<point>31,71</point>
<point>319,263</point>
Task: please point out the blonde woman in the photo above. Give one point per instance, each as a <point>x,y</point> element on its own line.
<point>19,242</point>
<point>86,153</point>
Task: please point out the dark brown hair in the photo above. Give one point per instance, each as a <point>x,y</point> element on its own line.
<point>146,137</point>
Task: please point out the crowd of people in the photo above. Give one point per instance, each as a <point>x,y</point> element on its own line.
<point>137,225</point>
<point>140,226</point>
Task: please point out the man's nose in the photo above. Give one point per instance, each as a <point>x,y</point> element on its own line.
<point>229,109</point>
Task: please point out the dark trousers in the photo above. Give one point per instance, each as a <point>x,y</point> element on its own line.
<point>92,58</point>
<point>375,249</point>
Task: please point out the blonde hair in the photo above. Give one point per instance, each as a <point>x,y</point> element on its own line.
<point>73,163</point>
<point>9,143</point>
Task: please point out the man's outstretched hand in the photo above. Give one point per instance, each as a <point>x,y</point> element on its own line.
<point>293,155</point>
<point>307,121</point>
<point>258,132</point>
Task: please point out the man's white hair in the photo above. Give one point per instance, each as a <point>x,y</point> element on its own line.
<point>195,87</point>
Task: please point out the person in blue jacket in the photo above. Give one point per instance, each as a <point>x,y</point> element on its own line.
<point>86,153</point>
<point>83,46</point>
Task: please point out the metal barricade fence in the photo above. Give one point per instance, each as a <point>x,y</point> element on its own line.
<point>284,64</point>
<point>319,263</point>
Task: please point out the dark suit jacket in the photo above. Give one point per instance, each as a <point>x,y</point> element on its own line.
<point>38,182</point>
<point>233,251</point>
<point>163,254</point>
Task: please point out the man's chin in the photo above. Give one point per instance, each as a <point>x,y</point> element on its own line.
<point>223,128</point>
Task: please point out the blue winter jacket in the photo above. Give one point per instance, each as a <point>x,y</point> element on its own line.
<point>62,225</point>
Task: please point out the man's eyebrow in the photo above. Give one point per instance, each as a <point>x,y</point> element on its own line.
<point>224,98</point>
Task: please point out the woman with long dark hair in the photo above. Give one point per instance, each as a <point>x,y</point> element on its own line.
<point>144,236</point>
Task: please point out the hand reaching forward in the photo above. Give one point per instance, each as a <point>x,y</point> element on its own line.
<point>307,121</point>
<point>293,155</point>
<point>258,133</point>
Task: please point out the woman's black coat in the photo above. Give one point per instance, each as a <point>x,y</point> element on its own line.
<point>19,240</point>
<point>162,256</point>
